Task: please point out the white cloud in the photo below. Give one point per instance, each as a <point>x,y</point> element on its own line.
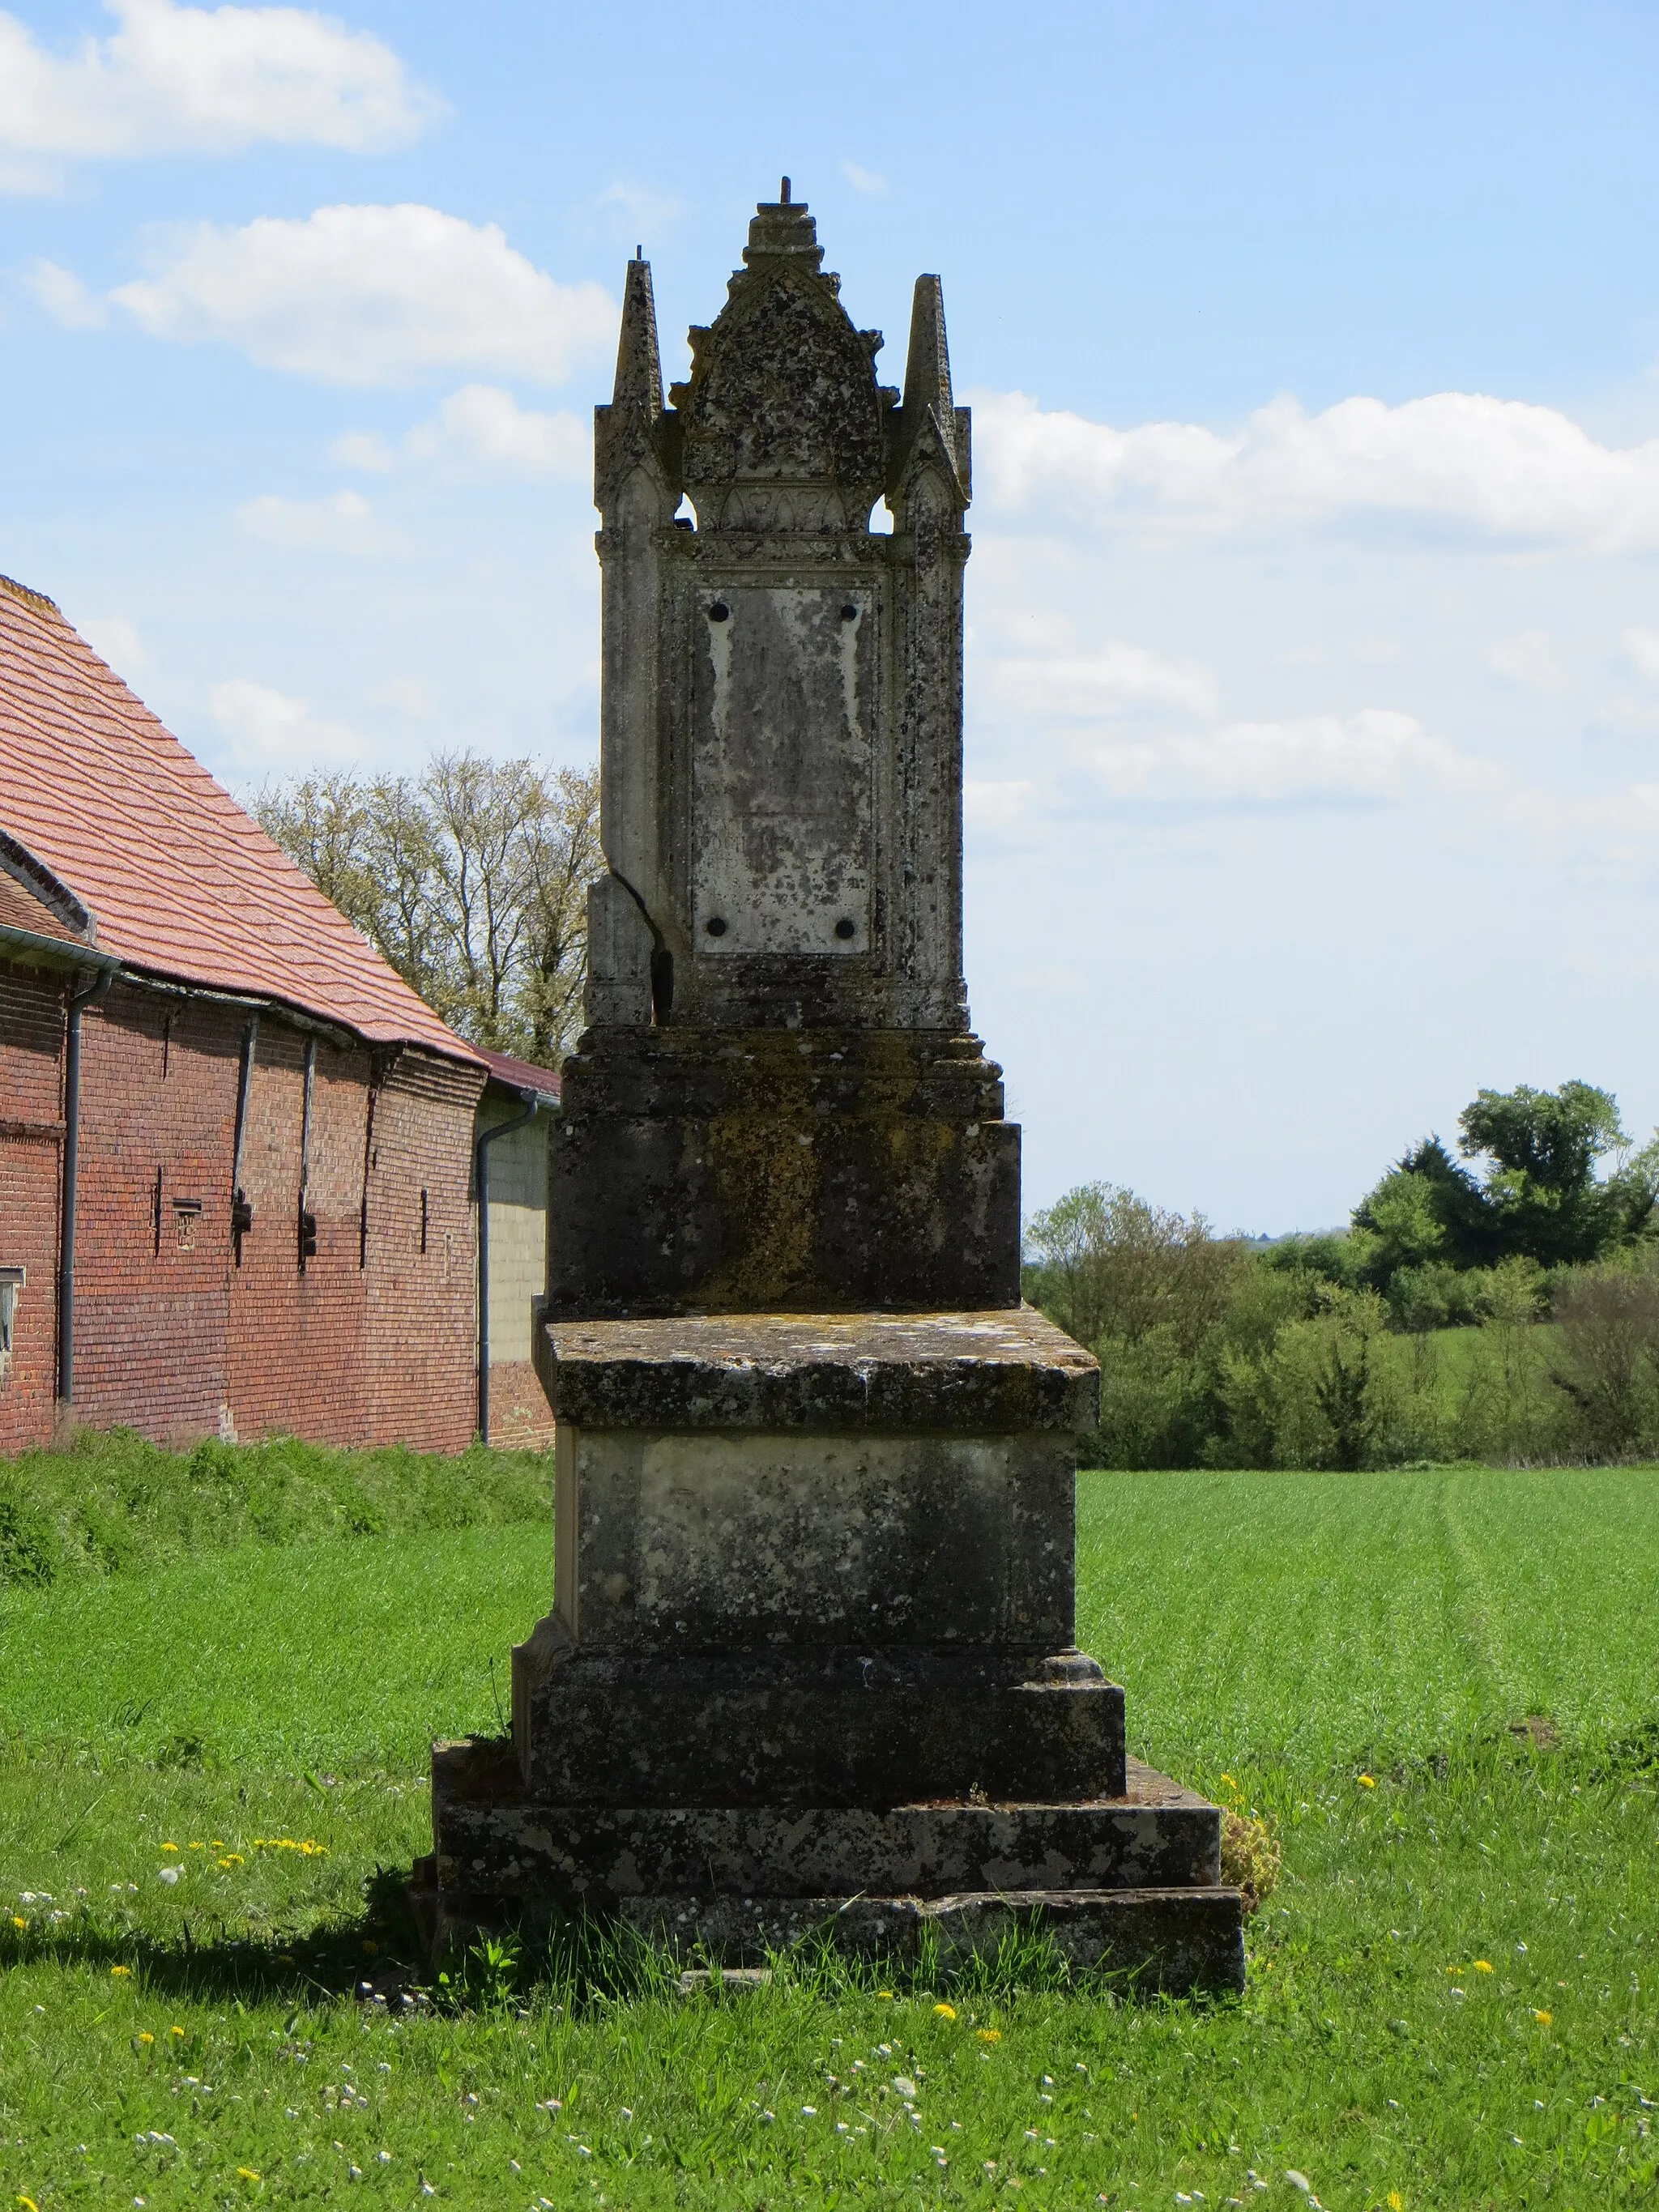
<point>409,695</point>
<point>174,80</point>
<point>480,429</point>
<point>1642,646</point>
<point>1530,659</point>
<point>342,523</point>
<point>64,297</point>
<point>1115,680</point>
<point>482,426</point>
<point>1499,468</point>
<point>863,180</point>
<point>116,639</point>
<point>367,295</point>
<point>1376,754</point>
<point>366,450</point>
<point>269,732</point>
<point>640,207</point>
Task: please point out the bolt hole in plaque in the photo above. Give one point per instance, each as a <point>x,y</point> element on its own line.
<point>782,770</point>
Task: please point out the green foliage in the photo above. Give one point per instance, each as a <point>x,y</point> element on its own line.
<point>1279,1636</point>
<point>112,1503</point>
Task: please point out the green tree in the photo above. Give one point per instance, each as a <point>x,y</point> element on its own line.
<point>1542,1193</point>
<point>470,880</point>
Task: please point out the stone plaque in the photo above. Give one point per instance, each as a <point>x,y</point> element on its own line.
<point>783,749</point>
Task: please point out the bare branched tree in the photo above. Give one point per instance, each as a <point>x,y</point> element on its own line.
<point>470,879</point>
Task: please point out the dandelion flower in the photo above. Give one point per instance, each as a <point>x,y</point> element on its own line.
<point>247,2173</point>
<point>18,1921</point>
<point>1484,1966</point>
<point>1542,2018</point>
<point>1367,1781</point>
<point>175,2031</point>
<point>27,2202</point>
<point>121,1972</point>
<point>198,1847</point>
<point>946,2011</point>
<point>884,1993</point>
<point>1396,2201</point>
<point>1230,1783</point>
<point>169,1847</point>
<point>989,2034</point>
<point>147,2037</point>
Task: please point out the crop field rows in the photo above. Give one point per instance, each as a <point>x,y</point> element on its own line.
<point>1439,1686</point>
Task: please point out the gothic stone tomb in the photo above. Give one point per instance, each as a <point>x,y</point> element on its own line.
<point>810,1663</point>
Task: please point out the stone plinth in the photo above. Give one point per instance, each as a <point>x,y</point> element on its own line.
<point>810,1660</point>
<point>696,1169</point>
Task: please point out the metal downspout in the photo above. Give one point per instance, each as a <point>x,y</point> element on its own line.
<point>94,991</point>
<point>481,1152</point>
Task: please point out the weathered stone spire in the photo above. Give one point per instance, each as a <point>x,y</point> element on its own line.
<point>630,428</point>
<point>928,398</point>
<point>639,365</point>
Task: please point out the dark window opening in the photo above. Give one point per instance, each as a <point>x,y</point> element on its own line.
<point>423,1218</point>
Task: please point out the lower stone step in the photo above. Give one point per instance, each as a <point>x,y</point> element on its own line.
<point>491,1836</point>
<point>1174,1941</point>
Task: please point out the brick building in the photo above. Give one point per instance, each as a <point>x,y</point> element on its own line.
<point>236,1151</point>
<point>510,1180</point>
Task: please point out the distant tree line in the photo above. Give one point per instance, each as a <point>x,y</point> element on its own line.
<point>470,878</point>
<point>1499,1303</point>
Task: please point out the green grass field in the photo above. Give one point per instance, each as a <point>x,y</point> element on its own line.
<point>1450,1993</point>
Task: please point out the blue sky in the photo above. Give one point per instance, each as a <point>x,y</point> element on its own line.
<point>1314,670</point>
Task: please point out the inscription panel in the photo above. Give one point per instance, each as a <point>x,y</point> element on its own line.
<point>782,768</point>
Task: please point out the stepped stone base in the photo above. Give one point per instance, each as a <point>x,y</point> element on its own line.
<point>809,1670</point>
<point>1128,1883</point>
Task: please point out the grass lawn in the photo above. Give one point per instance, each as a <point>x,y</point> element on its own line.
<point>1450,1993</point>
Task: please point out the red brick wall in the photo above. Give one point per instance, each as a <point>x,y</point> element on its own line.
<point>422,1321</point>
<point>521,1418</point>
<point>296,1360</point>
<point>372,1341</point>
<point>158,1096</point>
<point>31,1151</point>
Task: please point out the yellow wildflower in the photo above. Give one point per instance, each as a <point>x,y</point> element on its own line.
<point>1367,1781</point>
<point>946,2011</point>
<point>232,1859</point>
<point>247,2173</point>
<point>198,1847</point>
<point>1396,2201</point>
<point>175,2031</point>
<point>169,1847</point>
<point>121,1969</point>
<point>1542,2018</point>
<point>27,2202</point>
<point>884,1993</point>
<point>989,2034</point>
<point>1230,1783</point>
<point>1484,1966</point>
<point>145,2037</point>
<point>218,1843</point>
<point>18,1921</point>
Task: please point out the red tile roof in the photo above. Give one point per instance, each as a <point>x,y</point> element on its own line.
<point>21,909</point>
<point>521,1074</point>
<point>179,880</point>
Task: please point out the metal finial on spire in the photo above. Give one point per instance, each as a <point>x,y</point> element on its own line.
<point>783,196</point>
<point>639,253</point>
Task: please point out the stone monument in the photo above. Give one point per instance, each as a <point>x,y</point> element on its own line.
<point>810,1663</point>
